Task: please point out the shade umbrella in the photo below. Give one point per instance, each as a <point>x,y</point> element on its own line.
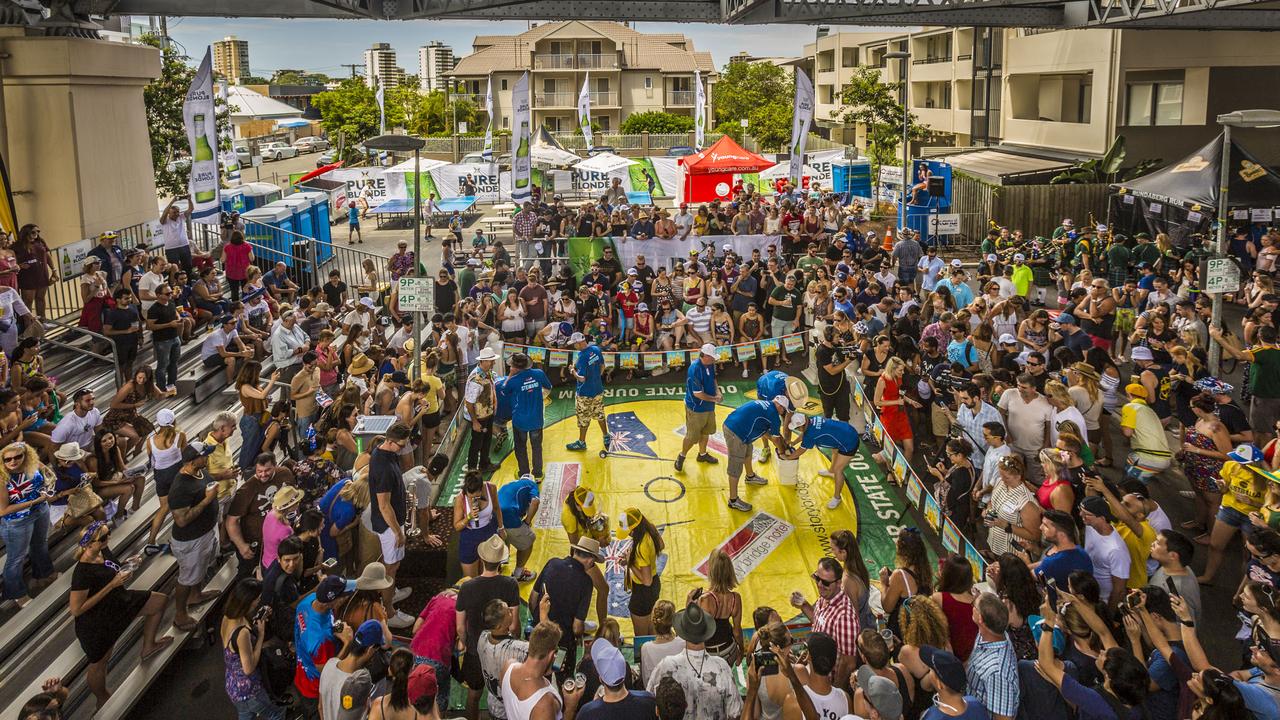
<point>605,162</point>
<point>318,172</point>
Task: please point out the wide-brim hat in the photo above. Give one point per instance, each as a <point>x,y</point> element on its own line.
<point>590,546</point>
<point>694,625</point>
<point>374,577</point>
<point>1086,370</point>
<point>797,391</point>
<point>69,452</point>
<point>360,364</point>
<point>493,550</point>
<point>487,354</point>
<point>286,496</point>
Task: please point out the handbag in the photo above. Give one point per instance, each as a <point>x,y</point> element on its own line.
<point>83,500</point>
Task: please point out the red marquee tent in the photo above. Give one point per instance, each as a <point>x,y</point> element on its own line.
<point>708,174</point>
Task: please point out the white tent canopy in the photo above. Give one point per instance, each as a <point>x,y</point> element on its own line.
<point>551,155</point>
<point>425,165</point>
<point>604,163</point>
<point>783,169</point>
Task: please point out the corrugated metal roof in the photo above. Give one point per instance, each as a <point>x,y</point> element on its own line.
<point>250,104</point>
<point>994,165</point>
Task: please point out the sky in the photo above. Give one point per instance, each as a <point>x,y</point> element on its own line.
<point>324,45</point>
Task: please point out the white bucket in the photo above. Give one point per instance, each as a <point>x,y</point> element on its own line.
<point>788,471</point>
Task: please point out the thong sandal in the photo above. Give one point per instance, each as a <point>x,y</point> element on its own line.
<point>161,644</point>
<point>188,626</point>
<point>206,596</point>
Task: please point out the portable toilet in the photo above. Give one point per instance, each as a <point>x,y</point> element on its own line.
<point>233,200</point>
<point>263,228</point>
<point>257,194</point>
<point>319,216</point>
<point>301,207</point>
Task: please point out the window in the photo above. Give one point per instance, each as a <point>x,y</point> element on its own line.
<point>503,86</point>
<point>1154,103</point>
<point>506,123</point>
<point>648,83</point>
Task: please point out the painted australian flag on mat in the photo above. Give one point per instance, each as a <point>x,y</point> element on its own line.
<point>628,434</point>
<point>615,558</point>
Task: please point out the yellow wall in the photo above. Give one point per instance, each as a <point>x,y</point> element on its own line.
<point>78,151</point>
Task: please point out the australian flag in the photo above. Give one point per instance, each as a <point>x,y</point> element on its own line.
<point>615,573</point>
<point>628,434</point>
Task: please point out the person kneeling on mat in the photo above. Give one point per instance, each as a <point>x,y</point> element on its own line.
<point>822,432</point>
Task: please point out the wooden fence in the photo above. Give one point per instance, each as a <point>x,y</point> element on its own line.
<point>1035,209</point>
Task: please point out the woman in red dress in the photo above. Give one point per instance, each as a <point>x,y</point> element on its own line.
<point>889,401</point>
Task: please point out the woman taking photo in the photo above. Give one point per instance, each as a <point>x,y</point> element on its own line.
<point>103,609</point>
<point>243,632</point>
<point>476,518</point>
<point>511,314</point>
<point>253,401</point>
<point>956,477</point>
<point>642,568</point>
<point>724,605</point>
<point>1013,511</point>
<point>912,575</point>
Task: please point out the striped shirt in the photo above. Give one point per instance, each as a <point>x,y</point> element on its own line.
<point>993,676</point>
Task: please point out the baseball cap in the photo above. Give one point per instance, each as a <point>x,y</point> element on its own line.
<point>1097,505</point>
<point>881,692</point>
<point>956,262</point>
<point>577,338</point>
<point>1008,339</point>
<point>224,319</point>
<point>708,349</point>
<point>633,271</point>
<point>642,307</point>
<point>334,587</point>
<point>367,302</point>
<point>368,635</point>
<point>1246,454</point>
<point>992,257</point>
<point>354,697</point>
<point>1066,318</point>
<point>610,665</point>
<point>1137,390</point>
<point>948,667</point>
<point>797,421</point>
<point>1019,257</point>
<point>195,449</point>
<point>1140,352</point>
<point>165,418</point>
<point>783,400</point>
<point>422,684</point>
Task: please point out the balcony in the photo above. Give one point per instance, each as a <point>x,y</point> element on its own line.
<point>681,98</point>
<point>548,61</point>
<point>603,98</point>
<point>476,99</point>
<point>547,100</point>
<point>597,62</point>
<point>930,60</point>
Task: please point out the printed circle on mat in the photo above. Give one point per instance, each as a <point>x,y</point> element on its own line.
<point>774,547</point>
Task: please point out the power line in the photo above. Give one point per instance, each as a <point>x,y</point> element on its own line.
<point>353,67</point>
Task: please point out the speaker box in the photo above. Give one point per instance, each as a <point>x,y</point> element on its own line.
<point>937,186</point>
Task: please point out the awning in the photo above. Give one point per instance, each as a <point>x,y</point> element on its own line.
<point>292,123</point>
<point>997,167</point>
<point>725,156</point>
<point>783,169</point>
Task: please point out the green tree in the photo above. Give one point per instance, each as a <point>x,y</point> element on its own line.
<point>163,98</point>
<point>763,94</point>
<point>298,77</point>
<point>351,112</point>
<point>656,122</point>
<point>254,80</point>
<point>873,103</point>
<point>1105,169</point>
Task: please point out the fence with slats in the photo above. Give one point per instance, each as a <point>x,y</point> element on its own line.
<point>1035,209</point>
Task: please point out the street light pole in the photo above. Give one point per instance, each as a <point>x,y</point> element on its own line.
<point>906,148</point>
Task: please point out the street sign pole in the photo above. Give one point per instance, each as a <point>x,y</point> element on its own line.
<point>1224,178</point>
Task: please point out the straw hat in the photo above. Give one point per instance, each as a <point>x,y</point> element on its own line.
<point>590,546</point>
<point>69,452</point>
<point>1086,370</point>
<point>286,496</point>
<point>493,550</point>
<point>360,364</point>
<point>374,577</point>
<point>797,391</point>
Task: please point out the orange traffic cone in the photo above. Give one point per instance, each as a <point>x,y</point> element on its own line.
<point>887,245</point>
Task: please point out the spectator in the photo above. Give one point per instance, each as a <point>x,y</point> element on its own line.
<point>707,680</point>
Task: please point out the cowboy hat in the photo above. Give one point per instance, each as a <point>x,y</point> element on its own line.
<point>694,625</point>
<point>797,391</point>
<point>487,354</point>
<point>286,496</point>
<point>493,550</point>
<point>374,577</point>
<point>1086,370</point>
<point>69,452</point>
<point>360,364</point>
<point>589,546</point>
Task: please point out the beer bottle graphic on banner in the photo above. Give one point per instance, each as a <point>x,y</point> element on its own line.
<point>203,165</point>
<point>521,165</point>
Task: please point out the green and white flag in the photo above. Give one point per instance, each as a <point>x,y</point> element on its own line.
<point>488,130</point>
<point>584,110</point>
<point>230,161</point>
<point>800,120</point>
<point>521,167</point>
<point>201,120</point>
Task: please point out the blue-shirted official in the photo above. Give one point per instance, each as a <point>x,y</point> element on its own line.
<point>526,390</point>
<point>588,401</point>
<point>519,503</point>
<point>700,397</point>
<point>823,432</point>
<point>745,425</point>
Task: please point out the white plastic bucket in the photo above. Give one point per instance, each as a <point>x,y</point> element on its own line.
<point>788,471</point>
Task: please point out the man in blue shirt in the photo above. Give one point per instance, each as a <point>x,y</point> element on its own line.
<point>519,502</point>
<point>823,432</point>
<point>1059,530</point>
<point>589,394</point>
<point>525,389</point>
<point>314,639</point>
<point>756,419</point>
<point>700,397</point>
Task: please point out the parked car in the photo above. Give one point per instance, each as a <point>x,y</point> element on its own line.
<point>680,151</point>
<point>598,149</point>
<point>326,158</point>
<point>310,144</point>
<point>277,151</point>
<point>179,164</point>
<point>244,156</point>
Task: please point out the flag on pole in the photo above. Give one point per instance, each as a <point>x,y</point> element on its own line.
<point>8,213</point>
<point>584,110</point>
<point>201,122</point>
<point>521,169</point>
<point>381,97</point>
<point>488,130</point>
<point>230,161</point>
<point>800,120</point>
<point>700,110</point>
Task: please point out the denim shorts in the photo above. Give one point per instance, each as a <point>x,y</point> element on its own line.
<point>1232,517</point>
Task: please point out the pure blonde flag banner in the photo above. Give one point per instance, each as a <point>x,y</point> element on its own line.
<point>201,121</point>
<point>800,120</point>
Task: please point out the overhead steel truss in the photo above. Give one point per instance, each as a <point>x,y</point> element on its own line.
<point>1153,14</point>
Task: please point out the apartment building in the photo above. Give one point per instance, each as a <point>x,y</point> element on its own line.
<point>628,71</point>
<point>1058,93</point>
<point>231,59</point>
<point>435,60</point>
<point>380,66</point>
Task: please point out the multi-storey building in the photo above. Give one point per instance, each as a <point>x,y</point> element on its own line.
<point>231,59</point>
<point>435,60</point>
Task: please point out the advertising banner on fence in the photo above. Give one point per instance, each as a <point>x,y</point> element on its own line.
<point>596,183</point>
<point>450,179</point>
<point>360,180</point>
<point>201,120</point>
<point>657,251</point>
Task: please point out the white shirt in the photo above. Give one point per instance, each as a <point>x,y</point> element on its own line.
<point>1110,558</point>
<point>684,224</point>
<point>175,233</point>
<point>11,308</point>
<point>284,342</point>
<point>216,339</point>
<point>149,282</point>
<point>990,463</point>
<point>1070,413</point>
<point>1007,288</point>
<point>699,320</point>
<point>931,268</point>
<point>79,430</point>
<point>709,689</point>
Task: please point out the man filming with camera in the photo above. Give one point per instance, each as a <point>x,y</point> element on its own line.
<point>834,386</point>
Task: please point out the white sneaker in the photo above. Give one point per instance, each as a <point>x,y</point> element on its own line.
<point>401,594</point>
<point>833,503</point>
<point>745,372</point>
<point>825,473</point>
<point>590,626</point>
<point>400,620</point>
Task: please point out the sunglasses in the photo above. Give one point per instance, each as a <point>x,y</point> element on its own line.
<point>15,458</point>
<point>820,581</point>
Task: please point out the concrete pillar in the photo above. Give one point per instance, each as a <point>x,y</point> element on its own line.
<point>79,152</point>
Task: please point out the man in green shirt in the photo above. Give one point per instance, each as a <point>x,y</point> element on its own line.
<point>810,263</point>
<point>1145,251</point>
<point>467,277</point>
<point>1118,257</point>
<point>1264,379</point>
<point>786,300</point>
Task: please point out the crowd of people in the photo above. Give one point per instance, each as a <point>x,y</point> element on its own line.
<point>1041,432</point>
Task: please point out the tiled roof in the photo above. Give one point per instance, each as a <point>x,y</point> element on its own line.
<point>658,51</point>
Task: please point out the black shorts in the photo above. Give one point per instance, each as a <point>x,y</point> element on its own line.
<point>471,675</point>
<point>431,421</point>
<point>644,597</point>
<point>215,361</point>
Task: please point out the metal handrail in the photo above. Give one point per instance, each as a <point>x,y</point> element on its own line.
<point>120,379</point>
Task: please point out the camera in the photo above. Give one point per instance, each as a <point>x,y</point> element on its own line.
<point>765,658</point>
<point>262,613</point>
